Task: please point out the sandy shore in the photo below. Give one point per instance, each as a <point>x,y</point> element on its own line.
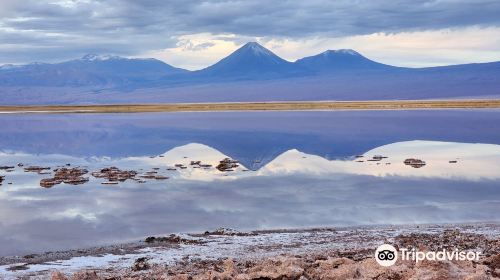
<point>327,253</point>
<point>256,106</point>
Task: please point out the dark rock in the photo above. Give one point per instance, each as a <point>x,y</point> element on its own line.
<point>415,163</point>
<point>18,267</point>
<point>227,164</point>
<point>228,232</point>
<point>49,182</point>
<point>114,174</point>
<point>173,238</point>
<point>71,176</point>
<point>141,264</point>
<point>36,169</point>
<point>150,239</point>
<point>6,167</point>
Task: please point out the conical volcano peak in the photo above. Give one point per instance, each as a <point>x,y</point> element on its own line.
<point>253,45</point>
<point>252,60</point>
<point>255,49</point>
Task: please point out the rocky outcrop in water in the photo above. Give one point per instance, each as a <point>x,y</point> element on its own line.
<point>227,164</point>
<point>114,174</point>
<point>7,168</point>
<point>415,163</point>
<point>36,169</point>
<point>70,176</point>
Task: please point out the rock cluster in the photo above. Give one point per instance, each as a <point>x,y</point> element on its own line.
<point>302,268</point>
<point>7,168</point>
<point>377,158</point>
<point>36,169</point>
<point>228,232</point>
<point>153,175</point>
<point>198,164</point>
<point>114,174</point>
<point>450,239</point>
<point>173,238</point>
<point>227,164</point>
<point>71,176</point>
<point>415,163</point>
<point>320,263</point>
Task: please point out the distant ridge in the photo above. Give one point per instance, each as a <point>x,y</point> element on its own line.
<point>250,62</point>
<point>249,74</point>
<point>90,70</point>
<point>340,60</point>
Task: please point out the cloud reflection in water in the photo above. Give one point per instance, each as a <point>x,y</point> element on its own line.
<point>283,193</point>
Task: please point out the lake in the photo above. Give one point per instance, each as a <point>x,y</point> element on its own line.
<point>284,170</point>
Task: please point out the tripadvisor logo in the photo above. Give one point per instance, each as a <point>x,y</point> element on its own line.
<point>387,255</point>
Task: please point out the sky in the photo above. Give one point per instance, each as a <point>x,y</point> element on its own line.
<point>195,34</point>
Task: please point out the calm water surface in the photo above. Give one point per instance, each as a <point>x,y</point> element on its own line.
<point>302,172</point>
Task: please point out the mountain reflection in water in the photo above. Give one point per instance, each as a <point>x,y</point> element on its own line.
<point>292,190</point>
<point>303,172</point>
<point>203,163</point>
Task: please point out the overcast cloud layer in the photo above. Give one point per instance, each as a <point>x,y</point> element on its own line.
<point>42,30</point>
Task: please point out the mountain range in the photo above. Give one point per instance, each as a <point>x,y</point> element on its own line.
<point>250,62</point>
<point>90,70</point>
<point>251,73</point>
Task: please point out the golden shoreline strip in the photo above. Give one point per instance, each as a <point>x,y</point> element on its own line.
<point>257,106</point>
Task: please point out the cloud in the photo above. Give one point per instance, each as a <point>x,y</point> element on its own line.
<point>409,49</point>
<point>251,18</point>
<point>197,51</point>
<point>60,29</point>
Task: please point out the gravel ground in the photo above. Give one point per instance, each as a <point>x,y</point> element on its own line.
<point>324,253</point>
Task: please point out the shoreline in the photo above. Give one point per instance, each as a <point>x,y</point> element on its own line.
<point>200,253</point>
<point>256,106</point>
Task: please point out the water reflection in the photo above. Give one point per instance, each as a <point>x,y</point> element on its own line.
<point>302,171</point>
<point>294,189</point>
<point>247,136</point>
<point>203,163</point>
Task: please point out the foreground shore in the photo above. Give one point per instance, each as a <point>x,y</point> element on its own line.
<point>257,106</point>
<point>326,253</point>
